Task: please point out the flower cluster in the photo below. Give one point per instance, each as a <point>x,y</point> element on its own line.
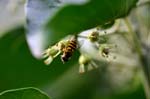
<point>68,46</point>
<point>53,51</point>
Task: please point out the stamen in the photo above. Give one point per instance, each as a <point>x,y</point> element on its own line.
<point>48,60</point>
<point>81,69</point>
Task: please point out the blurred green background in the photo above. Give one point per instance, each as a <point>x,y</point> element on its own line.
<point>18,68</point>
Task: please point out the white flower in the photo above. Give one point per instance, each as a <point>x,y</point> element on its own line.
<point>106,51</point>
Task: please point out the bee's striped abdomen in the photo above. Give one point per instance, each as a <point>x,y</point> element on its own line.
<point>68,50</point>
<point>73,45</point>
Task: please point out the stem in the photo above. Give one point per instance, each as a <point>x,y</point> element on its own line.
<point>135,39</point>
<point>143,3</point>
<point>142,58</point>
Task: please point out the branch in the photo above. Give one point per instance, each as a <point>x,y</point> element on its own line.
<point>143,58</point>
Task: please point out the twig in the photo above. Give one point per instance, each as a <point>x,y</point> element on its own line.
<point>143,4</point>
<point>141,56</point>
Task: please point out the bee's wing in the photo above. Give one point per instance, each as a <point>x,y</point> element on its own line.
<point>80,43</point>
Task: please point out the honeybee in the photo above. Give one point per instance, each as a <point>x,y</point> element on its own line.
<point>69,49</point>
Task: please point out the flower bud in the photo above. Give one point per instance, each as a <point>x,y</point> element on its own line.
<point>50,54</point>
<point>93,37</point>
<point>48,60</point>
<point>106,50</point>
<point>84,60</point>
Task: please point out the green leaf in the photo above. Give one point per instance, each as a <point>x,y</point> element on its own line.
<point>23,93</point>
<point>73,19</point>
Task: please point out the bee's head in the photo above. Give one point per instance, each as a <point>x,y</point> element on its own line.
<point>64,58</point>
